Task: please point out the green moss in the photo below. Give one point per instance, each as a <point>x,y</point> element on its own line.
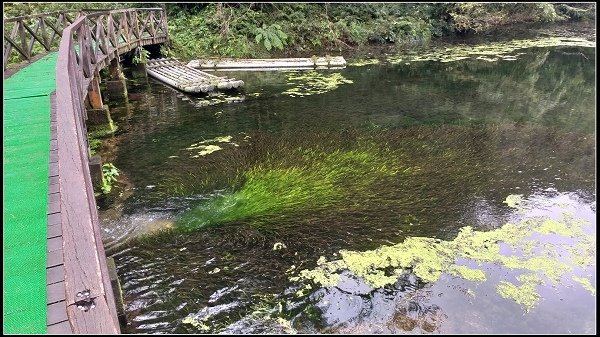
<point>429,258</point>
<point>101,131</point>
<point>94,144</point>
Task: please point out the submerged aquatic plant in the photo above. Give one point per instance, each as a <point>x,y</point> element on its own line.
<point>533,251</point>
<point>309,178</point>
<point>313,83</point>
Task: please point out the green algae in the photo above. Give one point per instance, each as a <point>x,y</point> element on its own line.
<point>490,52</point>
<point>526,294</point>
<point>218,98</point>
<point>207,148</point>
<point>467,273</point>
<point>313,83</point>
<point>363,62</point>
<point>585,283</point>
<point>514,200</point>
<point>429,258</point>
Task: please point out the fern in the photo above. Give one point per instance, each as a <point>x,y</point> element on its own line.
<point>271,36</point>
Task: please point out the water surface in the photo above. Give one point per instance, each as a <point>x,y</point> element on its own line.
<point>369,156</point>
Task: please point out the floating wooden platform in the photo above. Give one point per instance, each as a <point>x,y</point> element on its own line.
<point>188,79</point>
<point>331,62</point>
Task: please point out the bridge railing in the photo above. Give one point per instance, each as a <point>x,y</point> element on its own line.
<point>26,36</point>
<point>87,45</point>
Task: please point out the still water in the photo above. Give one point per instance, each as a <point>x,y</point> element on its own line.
<point>223,200</point>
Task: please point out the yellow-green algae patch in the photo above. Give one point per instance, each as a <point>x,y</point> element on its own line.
<point>526,294</point>
<point>363,62</point>
<point>313,82</point>
<point>585,283</point>
<point>490,52</point>
<point>429,258</point>
<point>210,148</point>
<point>514,200</point>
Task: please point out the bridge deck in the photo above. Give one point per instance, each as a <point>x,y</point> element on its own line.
<point>26,158</point>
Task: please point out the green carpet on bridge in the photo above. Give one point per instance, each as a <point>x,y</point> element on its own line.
<point>25,152</point>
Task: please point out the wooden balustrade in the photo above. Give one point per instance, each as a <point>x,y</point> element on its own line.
<point>110,31</point>
<point>87,45</point>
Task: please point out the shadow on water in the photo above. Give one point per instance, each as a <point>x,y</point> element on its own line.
<point>222,201</point>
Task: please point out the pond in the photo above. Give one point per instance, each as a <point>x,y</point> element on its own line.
<point>441,192</point>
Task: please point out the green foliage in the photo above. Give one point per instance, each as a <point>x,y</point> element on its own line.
<point>166,51</point>
<point>141,56</point>
<point>94,145</point>
<point>271,36</point>
<point>479,17</point>
<point>109,176</point>
<point>259,30</point>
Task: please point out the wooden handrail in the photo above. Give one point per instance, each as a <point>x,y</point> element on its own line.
<point>23,33</point>
<point>81,54</point>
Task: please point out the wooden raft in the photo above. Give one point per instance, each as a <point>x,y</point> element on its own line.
<point>331,62</point>
<point>188,79</point>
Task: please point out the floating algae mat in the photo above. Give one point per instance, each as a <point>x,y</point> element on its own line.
<point>543,249</point>
<point>313,83</point>
<point>209,146</point>
<point>363,62</point>
<point>489,52</point>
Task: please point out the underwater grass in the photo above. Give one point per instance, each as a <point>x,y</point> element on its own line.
<point>268,178</point>
<point>308,178</point>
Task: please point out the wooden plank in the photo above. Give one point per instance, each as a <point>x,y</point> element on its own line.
<point>53,219</point>
<point>57,312</point>
<point>55,244</point>
<point>62,328</point>
<point>55,274</point>
<point>53,207</point>
<point>54,231</point>
<point>53,170</point>
<point>53,188</point>
<point>55,257</point>
<point>55,292</point>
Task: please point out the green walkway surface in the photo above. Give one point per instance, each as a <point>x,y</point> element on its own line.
<point>25,152</point>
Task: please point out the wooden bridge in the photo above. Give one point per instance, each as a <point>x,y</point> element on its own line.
<point>56,278</point>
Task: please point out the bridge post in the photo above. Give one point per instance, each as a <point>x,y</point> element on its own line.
<point>116,86</point>
<point>94,95</point>
<point>99,112</point>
